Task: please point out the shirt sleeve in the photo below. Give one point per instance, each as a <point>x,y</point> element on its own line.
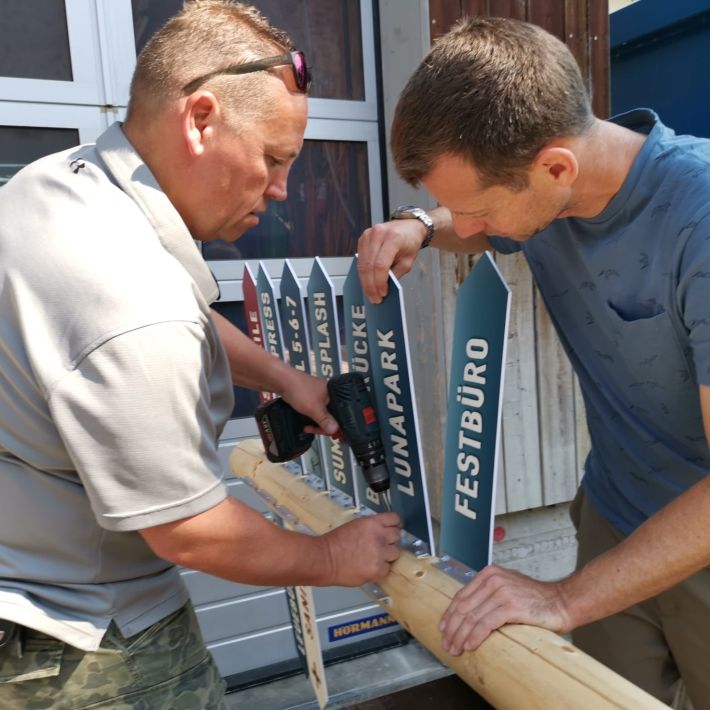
<point>135,416</point>
<point>694,294</point>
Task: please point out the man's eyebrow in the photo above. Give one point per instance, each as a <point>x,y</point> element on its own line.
<point>290,155</point>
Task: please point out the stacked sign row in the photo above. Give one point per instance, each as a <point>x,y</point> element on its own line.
<point>306,333</point>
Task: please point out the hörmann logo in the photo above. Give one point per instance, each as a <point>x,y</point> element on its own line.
<point>360,626</point>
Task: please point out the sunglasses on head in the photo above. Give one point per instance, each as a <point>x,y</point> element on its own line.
<point>296,60</point>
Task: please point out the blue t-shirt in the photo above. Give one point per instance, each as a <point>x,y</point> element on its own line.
<point>629,294</point>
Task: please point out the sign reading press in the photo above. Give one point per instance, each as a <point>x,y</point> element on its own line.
<point>473,419</point>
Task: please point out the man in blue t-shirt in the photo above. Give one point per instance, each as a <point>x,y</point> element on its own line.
<point>613,218</point>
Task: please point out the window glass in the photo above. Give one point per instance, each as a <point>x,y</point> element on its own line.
<point>331,36</point>
<point>20,145</point>
<point>328,32</point>
<point>34,41</point>
<point>149,16</point>
<point>327,209</point>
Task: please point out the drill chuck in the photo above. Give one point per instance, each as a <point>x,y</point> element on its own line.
<point>281,428</point>
<point>351,405</point>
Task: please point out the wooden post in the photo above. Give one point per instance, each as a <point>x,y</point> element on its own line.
<point>516,667</point>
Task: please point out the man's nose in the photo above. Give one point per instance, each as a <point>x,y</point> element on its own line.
<point>276,189</point>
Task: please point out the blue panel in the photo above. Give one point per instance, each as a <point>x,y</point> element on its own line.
<point>663,66</point>
<point>356,344</point>
<point>325,342</point>
<point>473,416</point>
<point>650,17</point>
<point>293,322</point>
<point>269,312</point>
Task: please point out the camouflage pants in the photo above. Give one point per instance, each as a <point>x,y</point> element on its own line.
<point>165,667</point>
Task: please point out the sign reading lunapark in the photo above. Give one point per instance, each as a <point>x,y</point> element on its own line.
<point>473,418</point>
<point>396,411</point>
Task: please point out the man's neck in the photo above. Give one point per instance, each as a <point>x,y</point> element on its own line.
<point>606,155</point>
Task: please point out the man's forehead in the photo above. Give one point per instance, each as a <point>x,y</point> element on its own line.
<point>455,177</point>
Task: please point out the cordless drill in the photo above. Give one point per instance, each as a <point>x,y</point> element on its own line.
<point>281,428</point>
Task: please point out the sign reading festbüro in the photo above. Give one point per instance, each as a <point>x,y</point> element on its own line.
<point>473,420</point>
<point>396,411</point>
<point>325,341</point>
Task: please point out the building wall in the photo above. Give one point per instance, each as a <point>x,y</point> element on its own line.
<point>545,438</point>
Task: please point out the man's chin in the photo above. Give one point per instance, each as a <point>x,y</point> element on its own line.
<point>239,230</point>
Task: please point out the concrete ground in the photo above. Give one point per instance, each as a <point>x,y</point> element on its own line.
<point>403,677</point>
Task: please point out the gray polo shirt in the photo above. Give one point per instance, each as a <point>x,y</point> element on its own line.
<point>114,388</point>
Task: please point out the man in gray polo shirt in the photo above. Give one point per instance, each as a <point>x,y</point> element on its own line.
<point>613,218</point>
<point>114,385</point>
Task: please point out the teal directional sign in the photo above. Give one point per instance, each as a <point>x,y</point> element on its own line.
<point>252,315</point>
<point>396,411</point>
<point>325,341</point>
<point>293,320</point>
<point>269,312</point>
<point>295,334</point>
<point>473,419</point>
<point>358,349</point>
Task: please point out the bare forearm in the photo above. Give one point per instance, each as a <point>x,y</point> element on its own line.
<point>668,548</point>
<point>235,542</point>
<point>446,239</point>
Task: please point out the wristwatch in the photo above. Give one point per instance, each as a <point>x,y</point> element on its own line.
<point>411,212</point>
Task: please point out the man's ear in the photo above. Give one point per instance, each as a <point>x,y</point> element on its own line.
<point>558,164</point>
<point>201,111</point>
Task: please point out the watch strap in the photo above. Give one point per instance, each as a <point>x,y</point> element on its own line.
<point>412,212</point>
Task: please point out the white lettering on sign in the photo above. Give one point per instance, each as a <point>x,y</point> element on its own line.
<point>269,324</point>
<point>337,459</point>
<point>360,361</point>
<point>471,395</point>
<point>397,432</point>
<point>254,328</point>
<point>325,361</point>
<point>326,369</point>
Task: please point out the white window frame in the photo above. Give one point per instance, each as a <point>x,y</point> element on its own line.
<point>90,121</point>
<point>115,23</point>
<point>87,84</point>
<point>355,110</point>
